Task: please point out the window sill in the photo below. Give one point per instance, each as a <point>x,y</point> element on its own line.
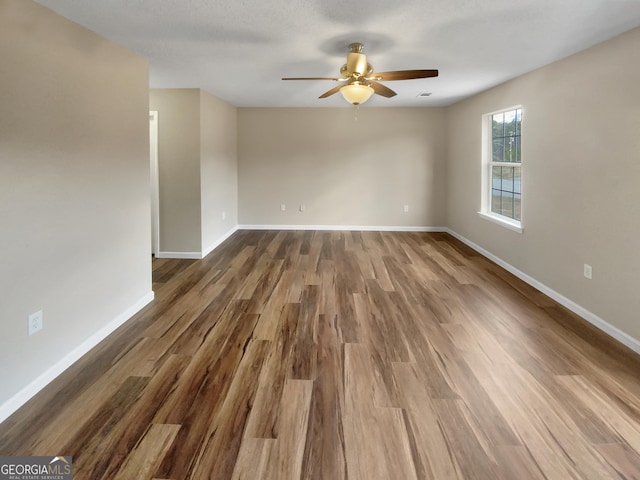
<point>513,225</point>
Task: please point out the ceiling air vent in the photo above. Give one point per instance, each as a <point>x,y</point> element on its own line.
<point>424,94</point>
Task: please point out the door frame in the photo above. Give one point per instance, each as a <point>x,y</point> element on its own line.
<point>154,182</point>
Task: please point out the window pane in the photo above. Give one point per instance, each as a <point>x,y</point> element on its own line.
<point>509,212</point>
<point>506,204</point>
<point>496,200</point>
<point>496,178</point>
<point>498,150</point>
<point>507,179</point>
<point>498,125</point>
<point>518,158</point>
<point>517,180</point>
<point>518,120</point>
<point>510,149</point>
<point>509,123</point>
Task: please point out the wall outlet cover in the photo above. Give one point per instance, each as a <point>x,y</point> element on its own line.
<point>35,322</point>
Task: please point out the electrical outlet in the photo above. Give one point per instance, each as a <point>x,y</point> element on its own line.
<point>302,207</point>
<point>588,271</point>
<point>406,208</point>
<point>283,207</point>
<point>35,322</point>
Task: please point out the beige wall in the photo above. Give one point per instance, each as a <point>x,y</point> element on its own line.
<point>218,168</point>
<point>347,171</point>
<point>178,168</point>
<point>581,171</point>
<point>74,187</point>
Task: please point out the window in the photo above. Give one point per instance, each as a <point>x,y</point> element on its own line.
<point>502,175</point>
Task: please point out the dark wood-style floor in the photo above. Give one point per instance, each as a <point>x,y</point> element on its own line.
<point>342,355</point>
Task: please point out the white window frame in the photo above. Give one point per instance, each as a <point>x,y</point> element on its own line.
<point>487,163</point>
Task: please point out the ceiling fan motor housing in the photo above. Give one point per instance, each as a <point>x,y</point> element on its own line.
<point>346,71</point>
<point>356,65</point>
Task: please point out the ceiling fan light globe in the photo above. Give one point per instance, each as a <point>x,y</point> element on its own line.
<point>356,94</point>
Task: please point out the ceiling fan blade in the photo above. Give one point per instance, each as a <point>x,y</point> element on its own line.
<point>382,90</point>
<point>331,92</point>
<point>314,78</point>
<point>403,75</point>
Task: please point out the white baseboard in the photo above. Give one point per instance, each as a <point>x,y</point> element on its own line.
<point>345,228</point>
<point>606,327</point>
<point>24,395</point>
<point>218,242</point>
<point>185,255</point>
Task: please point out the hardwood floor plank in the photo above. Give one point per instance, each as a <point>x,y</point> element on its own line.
<point>200,397</point>
<point>79,408</point>
<point>252,458</point>
<point>263,419</point>
<point>304,353</point>
<point>164,269</point>
<point>620,421</point>
<point>515,462</point>
<point>311,274</point>
<point>485,412</point>
<point>142,461</point>
<point>471,451</point>
<point>382,323</point>
<point>624,460</point>
<point>327,273</point>
<point>191,338</point>
<point>324,455</point>
<point>265,286</point>
<point>365,264</point>
<point>432,457</point>
<point>122,438</point>
<point>387,451</point>
<point>546,427</point>
<point>345,309</point>
<point>267,327</point>
<point>381,274</point>
<point>286,455</point>
<point>433,370</point>
<point>219,447</point>
<point>86,443</point>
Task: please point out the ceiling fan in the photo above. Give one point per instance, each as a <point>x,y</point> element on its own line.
<point>360,81</point>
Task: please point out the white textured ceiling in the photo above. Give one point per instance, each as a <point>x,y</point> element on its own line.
<point>239,49</point>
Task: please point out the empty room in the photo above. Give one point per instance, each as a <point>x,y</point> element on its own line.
<point>319,240</point>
